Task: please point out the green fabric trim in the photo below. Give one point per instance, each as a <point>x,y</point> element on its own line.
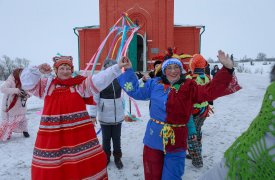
<point>200,82</point>
<point>248,157</point>
<point>199,79</point>
<point>176,86</point>
<point>201,105</point>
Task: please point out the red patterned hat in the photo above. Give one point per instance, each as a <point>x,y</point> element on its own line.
<point>59,60</point>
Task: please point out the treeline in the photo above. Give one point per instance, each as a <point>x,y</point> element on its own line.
<point>260,57</point>
<point>7,65</point>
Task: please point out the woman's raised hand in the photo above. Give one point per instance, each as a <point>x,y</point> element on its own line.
<point>45,68</point>
<point>225,59</point>
<point>124,62</point>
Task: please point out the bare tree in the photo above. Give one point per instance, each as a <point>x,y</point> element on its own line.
<point>8,64</point>
<point>261,56</point>
<point>18,62</point>
<point>21,62</point>
<point>25,62</point>
<point>2,72</point>
<point>210,60</point>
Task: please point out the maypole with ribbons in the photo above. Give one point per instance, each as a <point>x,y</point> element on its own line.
<point>122,32</point>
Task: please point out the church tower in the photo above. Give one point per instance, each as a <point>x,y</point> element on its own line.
<point>157,31</point>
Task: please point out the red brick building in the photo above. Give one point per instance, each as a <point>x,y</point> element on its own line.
<point>157,31</point>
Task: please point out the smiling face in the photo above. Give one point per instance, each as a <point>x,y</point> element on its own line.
<point>172,73</point>
<point>64,72</point>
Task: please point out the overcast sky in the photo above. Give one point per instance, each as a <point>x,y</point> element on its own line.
<point>38,29</point>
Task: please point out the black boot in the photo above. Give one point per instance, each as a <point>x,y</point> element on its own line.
<point>194,149</point>
<point>188,156</point>
<point>26,134</point>
<point>118,162</point>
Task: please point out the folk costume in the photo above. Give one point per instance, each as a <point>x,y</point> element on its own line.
<point>171,106</point>
<point>66,146</point>
<point>13,109</point>
<point>200,111</point>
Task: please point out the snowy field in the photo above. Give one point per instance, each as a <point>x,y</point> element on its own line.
<point>232,116</point>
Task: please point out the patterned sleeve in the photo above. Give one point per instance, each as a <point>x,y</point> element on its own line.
<point>130,84</point>
<point>33,83</point>
<point>224,83</point>
<point>92,109</point>
<point>93,84</point>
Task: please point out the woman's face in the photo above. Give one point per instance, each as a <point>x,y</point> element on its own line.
<point>64,71</point>
<point>172,73</point>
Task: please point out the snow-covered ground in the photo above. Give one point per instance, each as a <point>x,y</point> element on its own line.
<point>233,115</point>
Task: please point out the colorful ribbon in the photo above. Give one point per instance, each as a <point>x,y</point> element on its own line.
<point>123,34</point>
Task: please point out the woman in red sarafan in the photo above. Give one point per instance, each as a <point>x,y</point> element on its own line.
<point>66,146</point>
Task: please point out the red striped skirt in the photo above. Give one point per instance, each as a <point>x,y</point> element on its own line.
<point>66,146</point>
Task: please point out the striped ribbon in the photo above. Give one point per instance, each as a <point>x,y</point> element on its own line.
<point>123,33</point>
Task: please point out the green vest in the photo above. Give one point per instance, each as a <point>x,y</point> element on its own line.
<point>200,81</point>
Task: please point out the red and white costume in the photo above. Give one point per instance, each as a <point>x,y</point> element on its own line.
<point>13,120</point>
<point>66,146</point>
